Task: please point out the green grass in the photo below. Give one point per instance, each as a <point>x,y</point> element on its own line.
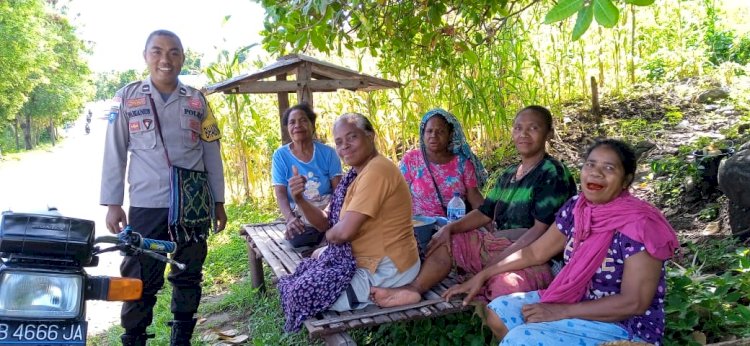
<point>159,326</point>
<point>225,267</point>
<point>259,313</point>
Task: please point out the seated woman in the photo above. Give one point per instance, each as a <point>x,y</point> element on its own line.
<point>443,164</point>
<point>375,217</point>
<point>522,204</point>
<point>316,161</point>
<point>612,286</point>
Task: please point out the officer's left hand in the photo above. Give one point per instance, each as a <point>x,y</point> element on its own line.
<point>221,218</point>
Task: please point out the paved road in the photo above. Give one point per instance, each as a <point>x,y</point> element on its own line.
<point>67,177</point>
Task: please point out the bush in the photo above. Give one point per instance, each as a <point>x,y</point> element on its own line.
<point>656,70</point>
<point>740,52</point>
<point>713,304</point>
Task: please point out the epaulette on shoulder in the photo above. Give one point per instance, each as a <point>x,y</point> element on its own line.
<point>131,85</point>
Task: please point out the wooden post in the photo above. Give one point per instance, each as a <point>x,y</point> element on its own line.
<point>595,109</point>
<point>256,266</point>
<point>283,106</point>
<point>304,75</point>
<point>339,339</point>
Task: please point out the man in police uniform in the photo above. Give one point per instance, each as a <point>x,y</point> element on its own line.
<point>191,135</point>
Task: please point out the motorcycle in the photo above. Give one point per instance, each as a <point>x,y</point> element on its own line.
<point>43,281</point>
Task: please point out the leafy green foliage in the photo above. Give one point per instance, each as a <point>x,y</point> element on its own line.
<point>192,64</point>
<point>250,130</point>
<point>673,116</point>
<point>720,44</point>
<point>606,13</point>
<point>41,85</point>
<point>709,213</point>
<point>583,21</point>
<point>636,128</point>
<point>740,52</point>
<point>640,2</point>
<point>714,304</point>
<point>433,30</point>
<point>455,329</point>
<point>479,64</point>
<point>21,62</point>
<point>674,171</point>
<point>107,83</point>
<point>563,10</point>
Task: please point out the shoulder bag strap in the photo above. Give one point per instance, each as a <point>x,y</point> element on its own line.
<point>432,177</point>
<point>158,128</point>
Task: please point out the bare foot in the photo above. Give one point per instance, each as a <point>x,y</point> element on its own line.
<point>388,297</point>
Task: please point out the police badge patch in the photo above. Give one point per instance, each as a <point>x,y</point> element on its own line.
<point>195,103</point>
<point>136,102</point>
<point>210,127</point>
<point>135,126</point>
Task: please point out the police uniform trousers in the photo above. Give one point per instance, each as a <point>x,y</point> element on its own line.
<point>186,284</point>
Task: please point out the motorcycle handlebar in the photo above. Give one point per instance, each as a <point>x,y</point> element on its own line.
<point>140,242</point>
<point>149,247</point>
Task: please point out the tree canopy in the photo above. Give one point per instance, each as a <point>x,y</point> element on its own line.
<point>107,83</point>
<point>45,79</point>
<point>21,25</point>
<point>403,32</point>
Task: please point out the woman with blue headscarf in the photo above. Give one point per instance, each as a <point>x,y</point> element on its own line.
<point>443,164</point>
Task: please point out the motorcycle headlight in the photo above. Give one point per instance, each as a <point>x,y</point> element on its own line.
<point>40,295</point>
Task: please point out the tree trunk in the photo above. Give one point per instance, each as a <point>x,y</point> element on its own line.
<point>52,131</point>
<point>27,132</point>
<point>16,125</point>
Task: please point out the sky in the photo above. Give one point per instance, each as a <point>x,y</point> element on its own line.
<point>118,29</point>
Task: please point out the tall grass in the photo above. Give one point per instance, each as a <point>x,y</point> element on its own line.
<point>484,85</point>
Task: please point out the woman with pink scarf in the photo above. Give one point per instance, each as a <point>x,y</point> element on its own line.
<point>613,284</point>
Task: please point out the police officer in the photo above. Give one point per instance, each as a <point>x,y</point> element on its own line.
<point>190,132</point>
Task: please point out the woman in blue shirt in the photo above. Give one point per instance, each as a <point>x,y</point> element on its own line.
<point>305,156</point>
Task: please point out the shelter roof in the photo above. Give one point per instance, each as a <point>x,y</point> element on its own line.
<point>324,77</point>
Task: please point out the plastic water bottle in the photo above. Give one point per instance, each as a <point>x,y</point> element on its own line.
<point>456,207</point>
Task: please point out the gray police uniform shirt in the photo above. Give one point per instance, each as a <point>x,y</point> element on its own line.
<point>190,132</point>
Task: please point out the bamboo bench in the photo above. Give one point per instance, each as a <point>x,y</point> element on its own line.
<point>266,241</point>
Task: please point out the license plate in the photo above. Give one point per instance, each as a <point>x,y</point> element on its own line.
<point>47,334</point>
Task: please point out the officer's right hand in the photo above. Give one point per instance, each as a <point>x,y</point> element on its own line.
<point>116,219</point>
<point>296,184</point>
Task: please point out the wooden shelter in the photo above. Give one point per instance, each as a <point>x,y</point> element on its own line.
<point>312,75</point>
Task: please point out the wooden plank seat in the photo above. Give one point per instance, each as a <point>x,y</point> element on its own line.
<point>266,241</point>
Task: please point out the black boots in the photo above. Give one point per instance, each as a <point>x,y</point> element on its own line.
<point>134,340</point>
<point>182,331</point>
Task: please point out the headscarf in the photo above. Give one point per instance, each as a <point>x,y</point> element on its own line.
<point>457,145</point>
<point>317,283</point>
<point>594,228</point>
